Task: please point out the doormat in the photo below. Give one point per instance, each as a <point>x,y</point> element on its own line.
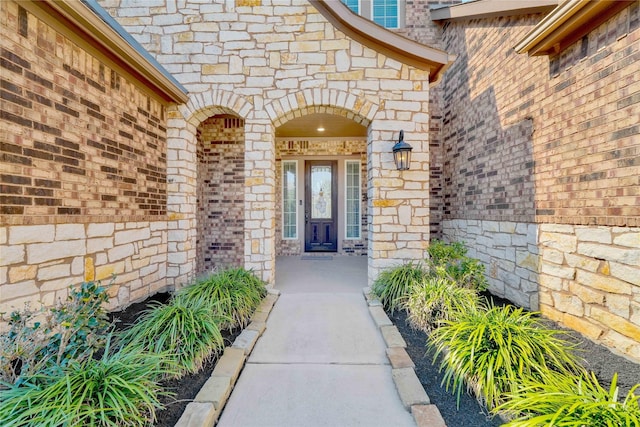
<point>316,257</point>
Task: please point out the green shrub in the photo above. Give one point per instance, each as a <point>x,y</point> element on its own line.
<point>492,351</point>
<point>436,299</point>
<point>450,261</point>
<point>234,294</point>
<point>393,285</point>
<point>572,401</point>
<point>118,389</point>
<point>187,332</point>
<point>72,330</point>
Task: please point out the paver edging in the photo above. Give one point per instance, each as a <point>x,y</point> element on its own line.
<point>411,392</point>
<point>209,403</point>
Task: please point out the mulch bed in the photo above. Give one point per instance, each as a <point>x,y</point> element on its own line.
<point>466,413</point>
<point>186,388</point>
<point>598,359</point>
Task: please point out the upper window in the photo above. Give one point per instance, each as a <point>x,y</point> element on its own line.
<point>383,12</point>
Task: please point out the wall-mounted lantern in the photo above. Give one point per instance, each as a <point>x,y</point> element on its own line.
<point>402,153</point>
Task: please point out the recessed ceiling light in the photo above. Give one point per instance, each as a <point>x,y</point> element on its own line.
<point>320,129</point>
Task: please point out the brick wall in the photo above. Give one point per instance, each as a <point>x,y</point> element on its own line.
<point>83,168</point>
<point>79,139</point>
<point>220,193</point>
<point>551,143</point>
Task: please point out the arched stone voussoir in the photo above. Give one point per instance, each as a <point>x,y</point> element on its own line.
<point>202,106</point>
<point>329,101</point>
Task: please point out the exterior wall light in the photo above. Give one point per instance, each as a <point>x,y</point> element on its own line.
<point>402,153</point>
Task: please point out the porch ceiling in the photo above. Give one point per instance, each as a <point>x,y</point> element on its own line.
<point>334,127</point>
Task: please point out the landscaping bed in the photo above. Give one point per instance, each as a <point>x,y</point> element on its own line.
<point>469,413</point>
<point>186,388</point>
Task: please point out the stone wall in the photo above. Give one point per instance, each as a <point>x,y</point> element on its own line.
<point>551,143</point>
<point>590,282</point>
<point>83,158</point>
<point>268,62</point>
<point>220,193</point>
<point>509,252</point>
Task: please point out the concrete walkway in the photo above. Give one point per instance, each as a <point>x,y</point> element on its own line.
<point>322,359</point>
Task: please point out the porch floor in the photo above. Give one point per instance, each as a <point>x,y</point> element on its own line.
<point>321,360</point>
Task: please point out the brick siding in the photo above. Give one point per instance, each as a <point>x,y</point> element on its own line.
<point>80,141</point>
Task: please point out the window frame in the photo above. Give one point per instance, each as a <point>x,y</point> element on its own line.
<point>346,199</point>
<point>284,199</point>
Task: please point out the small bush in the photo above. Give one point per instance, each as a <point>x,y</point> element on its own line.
<point>571,401</point>
<point>118,389</point>
<point>492,351</point>
<point>393,285</point>
<point>233,294</point>
<point>187,332</point>
<point>436,299</point>
<point>72,330</point>
<point>450,261</point>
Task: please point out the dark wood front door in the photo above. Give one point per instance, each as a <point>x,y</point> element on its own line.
<point>321,206</point>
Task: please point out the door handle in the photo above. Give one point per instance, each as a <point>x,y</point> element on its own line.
<point>306,217</point>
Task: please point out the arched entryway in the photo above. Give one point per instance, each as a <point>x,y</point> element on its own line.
<point>321,183</point>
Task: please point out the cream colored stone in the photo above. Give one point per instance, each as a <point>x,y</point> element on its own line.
<point>31,234</point>
<point>70,232</point>
<point>22,272</point>
<point>54,272</point>
<point>616,323</point>
<point>610,253</point>
<point>629,239</point>
<point>42,252</point>
<point>603,283</point>
<point>561,242</point>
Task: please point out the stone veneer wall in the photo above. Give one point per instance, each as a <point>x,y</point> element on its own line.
<point>83,168</point>
<point>321,148</point>
<point>221,193</point>
<point>509,251</point>
<point>267,62</point>
<point>551,143</point>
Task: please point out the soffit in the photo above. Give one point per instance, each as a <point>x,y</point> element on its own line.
<point>491,8</point>
<point>106,33</point>
<point>334,127</point>
<point>567,23</point>
<point>387,42</point>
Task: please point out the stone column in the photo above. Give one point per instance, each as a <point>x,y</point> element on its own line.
<point>260,187</point>
<point>181,199</point>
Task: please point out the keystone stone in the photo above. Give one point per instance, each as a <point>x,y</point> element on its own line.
<point>379,316</point>
<point>427,416</point>
<point>409,388</point>
<point>230,364</point>
<point>198,414</point>
<point>246,340</point>
<point>216,390</point>
<point>392,337</point>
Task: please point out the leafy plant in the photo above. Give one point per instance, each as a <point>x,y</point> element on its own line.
<point>436,299</point>
<point>186,331</point>
<point>572,401</point>
<point>492,351</point>
<point>118,389</point>
<point>71,330</point>
<point>450,261</point>
<point>233,294</point>
<point>394,285</point>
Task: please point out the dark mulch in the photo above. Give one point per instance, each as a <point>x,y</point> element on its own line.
<point>597,358</point>
<point>186,388</point>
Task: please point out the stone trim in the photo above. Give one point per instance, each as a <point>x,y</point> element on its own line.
<point>209,403</point>
<point>410,390</point>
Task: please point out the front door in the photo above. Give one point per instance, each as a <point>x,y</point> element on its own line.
<point>321,207</point>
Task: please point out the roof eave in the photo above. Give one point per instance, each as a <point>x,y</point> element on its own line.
<point>483,9</point>
<point>85,15</point>
<point>400,48</point>
<point>568,23</point>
